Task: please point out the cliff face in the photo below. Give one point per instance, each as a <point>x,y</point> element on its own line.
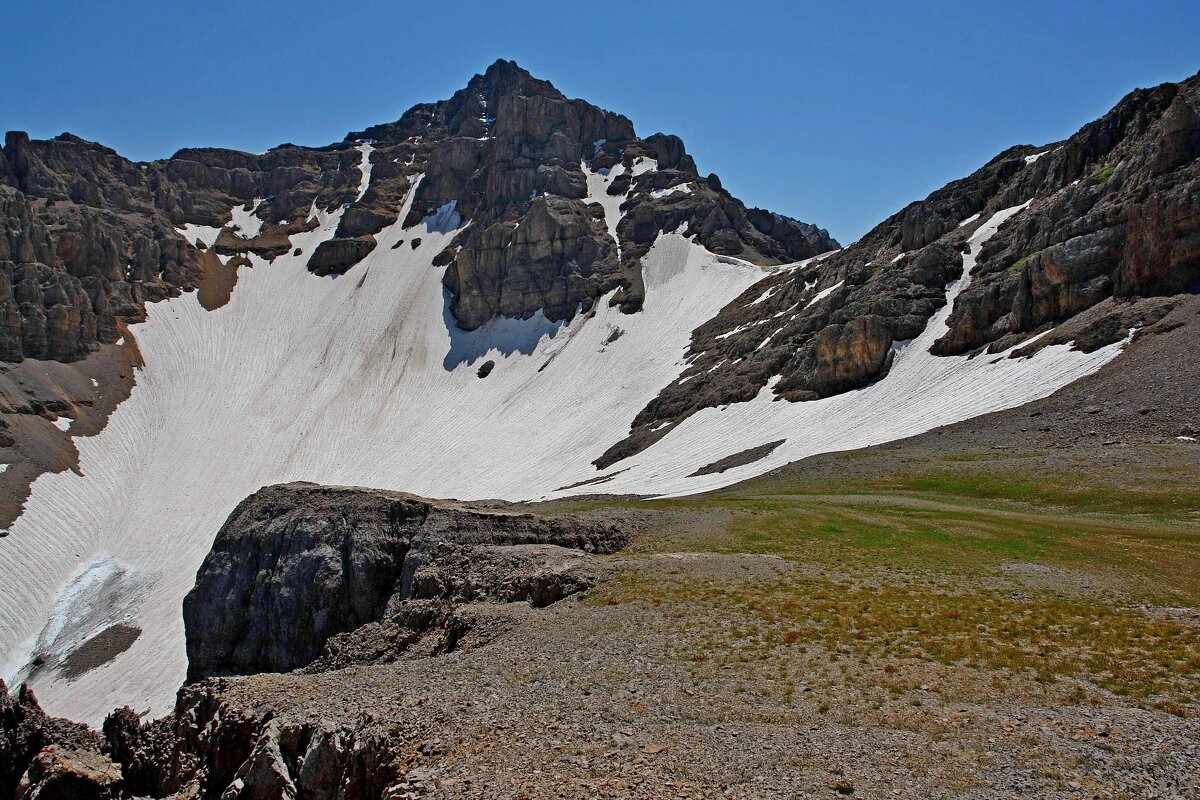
<point>299,564</point>
<point>1110,233</point>
<point>88,237</point>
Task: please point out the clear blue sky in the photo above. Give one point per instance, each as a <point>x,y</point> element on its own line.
<point>837,113</point>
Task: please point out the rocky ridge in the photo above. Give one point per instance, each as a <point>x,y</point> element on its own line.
<point>87,237</point>
<point>1110,234</point>
<point>512,154</point>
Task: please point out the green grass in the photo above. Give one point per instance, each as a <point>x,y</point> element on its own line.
<point>910,565</point>
<point>967,515</point>
<point>1104,173</point>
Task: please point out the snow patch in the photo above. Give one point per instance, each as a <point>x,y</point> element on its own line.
<point>821,295</point>
<point>97,595</point>
<point>196,234</point>
<point>766,294</point>
<point>643,165</point>
<point>683,188</point>
<point>247,224</point>
<point>364,166</point>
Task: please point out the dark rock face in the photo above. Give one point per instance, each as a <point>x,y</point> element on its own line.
<point>1115,213</point>
<point>1113,217</point>
<point>297,564</point>
<point>88,237</point>
<point>509,150</point>
<point>335,256</point>
<point>560,257</point>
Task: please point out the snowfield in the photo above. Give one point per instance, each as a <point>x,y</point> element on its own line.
<point>365,380</point>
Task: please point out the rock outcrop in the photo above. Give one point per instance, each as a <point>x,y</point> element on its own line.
<point>60,774</point>
<point>205,750</point>
<point>47,757</point>
<point>298,564</point>
<point>320,577</point>
<point>1110,233</point>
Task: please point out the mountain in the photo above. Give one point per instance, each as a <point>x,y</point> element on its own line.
<point>91,237</point>
<point>506,294</point>
<point>1108,233</point>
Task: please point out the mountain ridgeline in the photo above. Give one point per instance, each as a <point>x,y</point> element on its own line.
<point>1109,241</point>
<point>88,237</point>
<point>1110,233</point>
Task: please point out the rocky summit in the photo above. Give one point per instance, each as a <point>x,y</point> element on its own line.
<point>90,237</point>
<point>498,451</point>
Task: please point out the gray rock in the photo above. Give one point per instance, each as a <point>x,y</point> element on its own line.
<point>297,564</point>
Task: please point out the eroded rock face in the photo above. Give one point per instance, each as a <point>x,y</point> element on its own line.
<point>88,237</point>
<point>215,750</point>
<point>510,150</point>
<point>1113,218</point>
<point>42,756</point>
<point>206,750</point>
<point>1115,212</point>
<point>57,773</point>
<point>559,258</point>
<point>298,564</point>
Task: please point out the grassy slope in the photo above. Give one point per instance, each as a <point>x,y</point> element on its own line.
<point>1042,565</point>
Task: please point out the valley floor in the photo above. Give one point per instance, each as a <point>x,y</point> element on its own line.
<point>879,624</point>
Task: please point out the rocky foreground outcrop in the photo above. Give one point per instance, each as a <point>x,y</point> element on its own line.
<point>206,749</point>
<point>302,572</point>
<point>1109,240</point>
